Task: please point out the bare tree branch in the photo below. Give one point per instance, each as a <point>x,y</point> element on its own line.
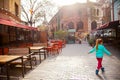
<point>24,17</point>
<point>34,10</point>
<point>25,13</point>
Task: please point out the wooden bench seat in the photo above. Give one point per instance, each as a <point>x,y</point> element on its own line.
<point>28,58</point>
<point>42,51</point>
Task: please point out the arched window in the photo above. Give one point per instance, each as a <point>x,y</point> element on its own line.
<point>93,25</point>
<point>71,25</point>
<point>79,12</point>
<point>97,12</point>
<point>79,25</point>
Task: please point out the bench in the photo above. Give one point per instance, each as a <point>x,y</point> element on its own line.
<point>42,51</point>
<point>27,56</point>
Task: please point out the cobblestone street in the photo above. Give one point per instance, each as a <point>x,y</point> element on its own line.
<point>73,63</point>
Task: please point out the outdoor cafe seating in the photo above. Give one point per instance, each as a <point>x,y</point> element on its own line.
<point>39,48</point>
<point>57,46</point>
<point>28,53</point>
<point>12,57</point>
<point>5,61</point>
<point>28,58</point>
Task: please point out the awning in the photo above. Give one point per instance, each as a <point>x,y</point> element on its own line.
<point>12,23</point>
<point>22,26</point>
<point>103,26</point>
<point>112,24</point>
<point>7,22</point>
<point>33,28</point>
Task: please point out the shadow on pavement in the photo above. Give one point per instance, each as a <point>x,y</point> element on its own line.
<point>114,50</point>
<point>102,76</point>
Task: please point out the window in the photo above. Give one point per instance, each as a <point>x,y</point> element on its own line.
<point>118,31</point>
<point>79,12</point>
<point>93,12</point>
<point>79,25</point>
<point>1,28</point>
<point>93,25</point>
<point>97,12</point>
<point>16,9</point>
<point>118,27</point>
<point>71,25</point>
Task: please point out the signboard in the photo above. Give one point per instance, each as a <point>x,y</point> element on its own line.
<point>71,30</point>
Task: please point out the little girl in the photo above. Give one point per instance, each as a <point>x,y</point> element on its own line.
<point>100,50</point>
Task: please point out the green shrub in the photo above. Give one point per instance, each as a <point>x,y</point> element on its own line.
<point>60,34</point>
<point>91,42</point>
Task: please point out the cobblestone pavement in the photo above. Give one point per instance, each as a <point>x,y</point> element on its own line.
<point>73,63</point>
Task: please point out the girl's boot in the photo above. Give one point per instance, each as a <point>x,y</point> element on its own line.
<point>97,72</point>
<point>103,70</point>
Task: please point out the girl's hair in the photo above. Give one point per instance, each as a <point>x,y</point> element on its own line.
<point>98,41</point>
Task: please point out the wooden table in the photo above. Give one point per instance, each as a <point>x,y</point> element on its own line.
<point>7,59</point>
<point>37,49</point>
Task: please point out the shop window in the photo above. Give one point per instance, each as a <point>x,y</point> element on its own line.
<point>6,29</point>
<point>1,28</point>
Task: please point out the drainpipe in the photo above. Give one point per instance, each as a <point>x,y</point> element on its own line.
<point>113,10</point>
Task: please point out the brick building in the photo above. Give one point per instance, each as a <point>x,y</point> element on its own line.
<point>12,29</point>
<point>10,10</point>
<point>79,18</point>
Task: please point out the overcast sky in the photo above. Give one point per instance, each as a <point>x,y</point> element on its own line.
<point>67,2</point>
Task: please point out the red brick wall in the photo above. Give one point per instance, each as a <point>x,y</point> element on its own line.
<point>43,37</point>
<point>73,13</point>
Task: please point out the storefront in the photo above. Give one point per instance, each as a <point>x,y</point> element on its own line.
<point>12,33</point>
<point>71,36</point>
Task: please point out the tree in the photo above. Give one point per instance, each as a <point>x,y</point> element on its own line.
<point>34,11</point>
<point>61,34</point>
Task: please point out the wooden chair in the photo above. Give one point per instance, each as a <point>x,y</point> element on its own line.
<point>64,43</point>
<point>60,45</point>
<point>49,50</point>
<point>55,48</point>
